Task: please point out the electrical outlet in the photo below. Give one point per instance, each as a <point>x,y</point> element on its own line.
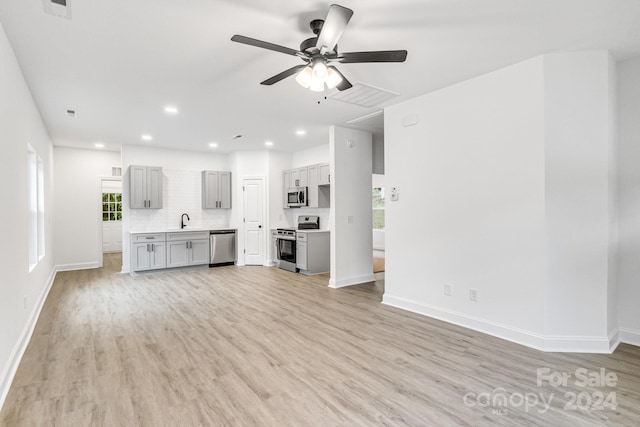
<point>473,295</point>
<point>24,302</point>
<point>350,219</point>
<point>447,290</point>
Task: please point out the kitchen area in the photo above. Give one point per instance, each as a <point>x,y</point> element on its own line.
<point>214,233</point>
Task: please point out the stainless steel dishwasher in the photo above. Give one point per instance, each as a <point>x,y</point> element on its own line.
<point>222,247</point>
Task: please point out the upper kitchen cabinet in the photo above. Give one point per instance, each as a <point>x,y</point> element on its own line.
<point>145,187</point>
<point>216,190</point>
<point>299,177</point>
<point>324,174</point>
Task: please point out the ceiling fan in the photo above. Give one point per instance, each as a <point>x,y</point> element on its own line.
<point>320,51</point>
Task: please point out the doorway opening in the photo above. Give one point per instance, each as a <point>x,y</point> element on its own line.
<point>111,219</point>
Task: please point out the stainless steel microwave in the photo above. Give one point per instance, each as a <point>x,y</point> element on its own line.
<point>297,197</point>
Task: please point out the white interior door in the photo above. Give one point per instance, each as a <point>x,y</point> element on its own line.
<point>254,230</point>
<point>111,216</point>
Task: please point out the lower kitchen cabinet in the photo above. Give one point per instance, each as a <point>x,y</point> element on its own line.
<point>148,252</point>
<point>187,248</point>
<point>312,256</point>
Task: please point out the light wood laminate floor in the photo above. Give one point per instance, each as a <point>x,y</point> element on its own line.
<point>261,346</point>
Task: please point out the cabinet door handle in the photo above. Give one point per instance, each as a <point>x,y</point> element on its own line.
<point>329,177</point>
<point>187,244</point>
<point>148,247</point>
<point>153,247</point>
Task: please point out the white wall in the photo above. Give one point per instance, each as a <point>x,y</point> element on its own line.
<point>78,216</point>
<point>629,200</point>
<point>181,192</point>
<point>310,156</point>
<point>249,164</point>
<point>350,220</point>
<point>578,148</point>
<point>507,179</point>
<point>378,154</point>
<point>377,180</point>
<point>21,291</point>
<point>471,201</point>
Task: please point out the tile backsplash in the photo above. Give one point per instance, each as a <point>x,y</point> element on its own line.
<point>181,193</point>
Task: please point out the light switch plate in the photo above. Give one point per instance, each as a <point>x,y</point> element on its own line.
<point>395,193</point>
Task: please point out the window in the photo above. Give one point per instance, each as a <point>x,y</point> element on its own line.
<point>378,208</point>
<point>111,207</point>
<point>35,195</point>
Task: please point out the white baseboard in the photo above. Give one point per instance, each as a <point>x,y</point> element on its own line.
<point>78,266</point>
<point>548,343</point>
<point>351,281</point>
<point>9,371</point>
<point>577,344</point>
<point>629,336</point>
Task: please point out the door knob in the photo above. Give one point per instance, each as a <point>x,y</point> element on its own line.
<point>259,226</point>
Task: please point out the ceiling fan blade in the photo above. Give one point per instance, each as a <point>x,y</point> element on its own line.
<point>334,24</point>
<point>266,45</point>
<point>344,84</point>
<point>375,56</point>
<point>283,75</point>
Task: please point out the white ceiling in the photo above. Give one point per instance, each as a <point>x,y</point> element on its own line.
<point>117,62</point>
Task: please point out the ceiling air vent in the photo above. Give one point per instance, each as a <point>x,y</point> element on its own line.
<point>364,95</point>
<point>59,8</point>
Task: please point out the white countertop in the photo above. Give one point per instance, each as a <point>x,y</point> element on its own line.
<point>178,230</point>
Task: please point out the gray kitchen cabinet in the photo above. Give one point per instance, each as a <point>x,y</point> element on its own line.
<point>216,190</point>
<point>187,248</point>
<point>299,177</point>
<point>312,256</point>
<point>324,174</point>
<point>145,187</point>
<point>316,178</point>
<point>148,252</point>
<point>301,254</point>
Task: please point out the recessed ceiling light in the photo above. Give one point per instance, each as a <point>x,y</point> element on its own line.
<point>170,109</point>
<point>301,132</point>
<point>213,145</point>
<point>98,145</point>
<point>146,137</point>
<point>268,143</point>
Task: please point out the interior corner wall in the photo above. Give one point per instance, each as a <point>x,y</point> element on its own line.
<point>628,271</point>
<point>78,210</point>
<point>507,186</point>
<point>378,153</point>
<point>351,216</point>
<point>578,148</point>
<point>468,163</point>
<point>21,292</point>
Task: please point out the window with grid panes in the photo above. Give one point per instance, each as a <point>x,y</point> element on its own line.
<point>111,207</point>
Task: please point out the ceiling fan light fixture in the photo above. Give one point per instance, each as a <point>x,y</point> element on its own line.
<point>304,77</point>
<point>320,70</point>
<point>333,78</point>
<point>317,85</point>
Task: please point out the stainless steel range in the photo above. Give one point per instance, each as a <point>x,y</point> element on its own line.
<point>286,246</point>
<point>286,241</point>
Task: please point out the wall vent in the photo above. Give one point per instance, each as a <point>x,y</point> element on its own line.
<point>59,8</point>
<point>116,171</point>
<point>364,95</point>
